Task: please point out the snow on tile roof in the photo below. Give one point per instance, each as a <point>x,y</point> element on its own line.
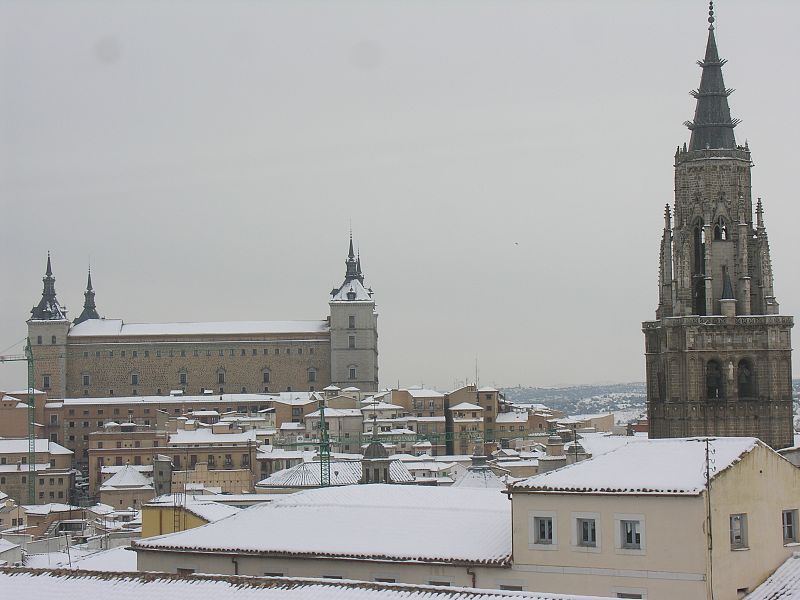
<point>487,388</point>
<point>106,469</point>
<point>79,585</point>
<point>204,436</point>
<point>116,327</point>
<point>424,393</point>
<point>343,472</point>
<point>20,446</point>
<point>597,443</point>
<point>377,406</point>
<point>233,399</point>
<point>329,522</point>
<point>466,406</point>
<point>667,466</point>
<point>480,478</point>
<point>783,584</point>
<point>338,412</point>
<point>127,478</point>
<point>116,560</point>
<point>355,286</point>
<point>513,416</point>
<point>46,509</point>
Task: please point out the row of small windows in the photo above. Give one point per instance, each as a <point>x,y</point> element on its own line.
<point>183,353</point>
<point>543,530</point>
<point>183,377</point>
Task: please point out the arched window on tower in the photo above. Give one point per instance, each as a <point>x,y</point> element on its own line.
<point>720,230</point>
<point>714,384</point>
<point>746,380</point>
<point>699,269</point>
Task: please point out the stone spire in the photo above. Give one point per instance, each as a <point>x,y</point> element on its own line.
<point>89,307</point>
<point>353,264</point>
<point>48,308</point>
<point>712,126</point>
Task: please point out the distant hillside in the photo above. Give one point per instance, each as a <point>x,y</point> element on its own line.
<point>583,399</point>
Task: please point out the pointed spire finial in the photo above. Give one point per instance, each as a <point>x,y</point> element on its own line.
<point>759,214</point>
<point>89,280</point>
<point>350,253</point>
<point>49,271</point>
<point>711,15</point>
<point>667,217</point>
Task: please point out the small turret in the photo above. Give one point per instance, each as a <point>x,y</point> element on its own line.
<point>89,307</point>
<point>49,308</point>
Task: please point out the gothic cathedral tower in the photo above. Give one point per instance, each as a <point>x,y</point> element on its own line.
<point>718,354</point>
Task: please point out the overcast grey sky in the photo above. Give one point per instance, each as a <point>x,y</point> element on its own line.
<point>504,164</point>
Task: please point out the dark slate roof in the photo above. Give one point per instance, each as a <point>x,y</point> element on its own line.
<point>712,126</point>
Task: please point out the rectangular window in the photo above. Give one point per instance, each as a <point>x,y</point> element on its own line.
<point>53,419</point>
<point>351,322</point>
<point>738,531</point>
<point>351,341</point>
<point>266,376</point>
<point>352,372</point>
<point>134,379</point>
<point>85,380</point>
<point>220,378</point>
<point>312,375</point>
<point>39,340</point>
<point>587,532</point>
<point>789,526</point>
<point>135,353</point>
<point>146,353</point>
<point>630,534</point>
<point>543,527</point>
<point>46,382</point>
<point>182,378</point>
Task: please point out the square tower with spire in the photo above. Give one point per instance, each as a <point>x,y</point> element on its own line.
<point>719,353</point>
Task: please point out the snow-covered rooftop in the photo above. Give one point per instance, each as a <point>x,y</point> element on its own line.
<point>116,327</point>
<point>116,560</point>
<point>668,466</point>
<point>183,437</point>
<point>342,472</point>
<point>424,393</point>
<point>127,478</point>
<point>783,584</point>
<point>233,399</point>
<point>20,446</point>
<point>466,406</point>
<point>329,522</point>
<point>78,585</point>
<point>46,509</point>
<point>512,416</point>
<point>338,412</point>
<point>106,469</point>
<point>204,505</point>
<point>361,294</point>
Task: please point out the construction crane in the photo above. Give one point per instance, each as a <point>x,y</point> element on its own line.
<point>324,447</point>
<point>28,357</point>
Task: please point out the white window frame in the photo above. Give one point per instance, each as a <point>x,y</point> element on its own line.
<point>794,515</point>
<point>742,518</point>
<point>575,539</point>
<point>533,517</point>
<point>619,542</point>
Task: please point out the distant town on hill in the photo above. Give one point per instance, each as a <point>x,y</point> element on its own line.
<point>597,398</point>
